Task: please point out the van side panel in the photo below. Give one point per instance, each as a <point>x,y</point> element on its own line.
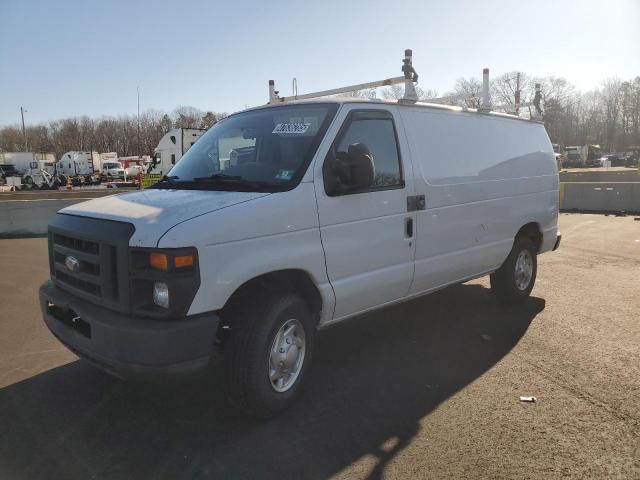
<point>484,177</point>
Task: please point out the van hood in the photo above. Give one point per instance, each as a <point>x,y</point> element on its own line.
<point>153,212</point>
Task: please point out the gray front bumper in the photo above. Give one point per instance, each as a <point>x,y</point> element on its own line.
<point>125,346</point>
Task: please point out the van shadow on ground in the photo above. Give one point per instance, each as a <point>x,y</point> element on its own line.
<point>373,379</point>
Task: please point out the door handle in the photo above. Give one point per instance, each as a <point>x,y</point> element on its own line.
<point>408,227</point>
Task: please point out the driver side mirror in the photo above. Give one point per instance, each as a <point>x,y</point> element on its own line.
<point>348,172</point>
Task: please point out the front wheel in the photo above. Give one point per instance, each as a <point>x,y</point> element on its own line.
<point>268,353</point>
<point>515,279</point>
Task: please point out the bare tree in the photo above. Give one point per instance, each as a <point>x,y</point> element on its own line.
<point>11,139</point>
<point>612,100</point>
<point>396,92</point>
<point>503,90</point>
<point>609,116</point>
<point>187,117</point>
<point>469,91</point>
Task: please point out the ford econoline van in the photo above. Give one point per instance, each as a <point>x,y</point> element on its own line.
<point>287,218</point>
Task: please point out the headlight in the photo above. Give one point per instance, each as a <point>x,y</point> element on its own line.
<point>164,281</point>
<point>161,294</point>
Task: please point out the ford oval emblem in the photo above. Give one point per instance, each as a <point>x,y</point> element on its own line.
<point>72,264</point>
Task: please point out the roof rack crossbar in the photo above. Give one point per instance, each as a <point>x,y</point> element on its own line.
<point>410,76</point>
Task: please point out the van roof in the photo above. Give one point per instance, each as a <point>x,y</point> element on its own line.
<point>419,104</point>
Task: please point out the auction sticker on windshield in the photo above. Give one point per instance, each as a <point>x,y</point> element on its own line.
<point>291,128</point>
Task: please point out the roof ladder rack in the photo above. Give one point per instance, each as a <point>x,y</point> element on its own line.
<point>485,105</point>
<point>409,78</point>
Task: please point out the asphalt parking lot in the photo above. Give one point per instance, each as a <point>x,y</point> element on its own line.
<point>427,389</point>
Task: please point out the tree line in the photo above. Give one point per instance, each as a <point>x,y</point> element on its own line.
<point>608,116</point>
<point>127,135</point>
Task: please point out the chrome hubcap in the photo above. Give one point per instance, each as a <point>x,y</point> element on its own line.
<point>286,355</point>
<point>524,270</point>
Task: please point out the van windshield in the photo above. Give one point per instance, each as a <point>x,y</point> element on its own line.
<point>260,150</point>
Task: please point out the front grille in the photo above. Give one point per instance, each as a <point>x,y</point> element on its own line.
<point>83,285</point>
<point>98,270</point>
<point>96,273</point>
<point>77,244</point>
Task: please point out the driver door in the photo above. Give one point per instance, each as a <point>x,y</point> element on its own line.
<point>368,234</point>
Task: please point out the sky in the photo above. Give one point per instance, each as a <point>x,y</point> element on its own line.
<point>69,58</point>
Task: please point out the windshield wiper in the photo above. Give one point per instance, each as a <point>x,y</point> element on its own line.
<point>165,180</point>
<point>217,176</point>
<point>168,179</point>
<point>231,179</point>
<point>221,179</point>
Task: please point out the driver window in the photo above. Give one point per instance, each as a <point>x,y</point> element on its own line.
<point>376,130</point>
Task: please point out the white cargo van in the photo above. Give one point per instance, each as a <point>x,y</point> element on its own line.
<point>331,208</point>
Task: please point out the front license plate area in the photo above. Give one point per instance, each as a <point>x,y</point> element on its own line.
<point>70,318</point>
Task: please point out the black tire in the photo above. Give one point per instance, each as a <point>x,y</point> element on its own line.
<point>246,361</point>
<point>28,182</point>
<point>506,284</point>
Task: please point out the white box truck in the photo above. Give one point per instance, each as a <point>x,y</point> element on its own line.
<point>20,160</point>
<point>110,167</point>
<point>172,146</point>
<point>583,156</point>
<point>336,208</point>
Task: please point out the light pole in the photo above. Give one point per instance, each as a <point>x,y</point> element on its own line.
<point>517,94</point>
<point>139,143</point>
<point>24,132</point>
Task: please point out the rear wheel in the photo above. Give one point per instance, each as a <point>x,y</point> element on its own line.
<point>515,279</point>
<point>268,351</point>
<point>28,182</point>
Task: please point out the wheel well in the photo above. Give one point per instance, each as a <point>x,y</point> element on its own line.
<point>291,280</point>
<point>532,231</point>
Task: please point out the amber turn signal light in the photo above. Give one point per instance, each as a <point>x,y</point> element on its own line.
<point>183,261</point>
<point>159,261</point>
